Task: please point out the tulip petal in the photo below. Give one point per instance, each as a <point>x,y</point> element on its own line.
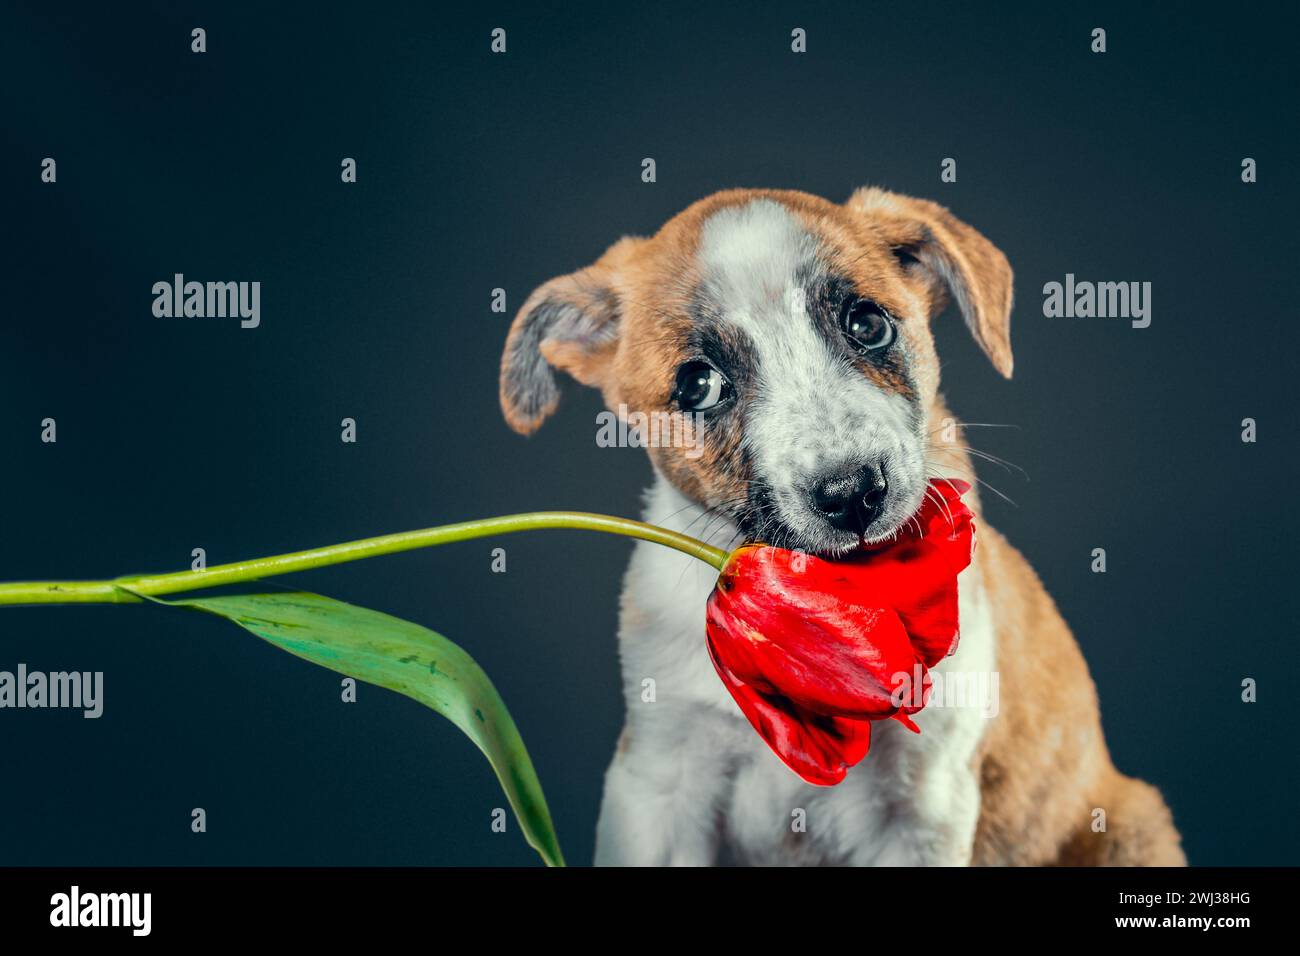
<point>907,722</point>
<point>845,661</point>
<point>819,748</point>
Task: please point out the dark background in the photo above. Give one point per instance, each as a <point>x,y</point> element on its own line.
<point>478,171</point>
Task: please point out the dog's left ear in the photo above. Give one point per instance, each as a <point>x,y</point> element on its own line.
<point>570,323</point>
<point>954,255</point>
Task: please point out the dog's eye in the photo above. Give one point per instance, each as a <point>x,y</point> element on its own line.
<point>866,325</point>
<point>700,386</point>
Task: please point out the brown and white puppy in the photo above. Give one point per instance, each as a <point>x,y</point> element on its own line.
<point>798,331</point>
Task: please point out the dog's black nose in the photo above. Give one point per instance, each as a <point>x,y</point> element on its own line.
<point>851,500</point>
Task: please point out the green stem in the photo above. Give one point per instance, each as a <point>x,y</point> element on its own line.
<point>128,590</point>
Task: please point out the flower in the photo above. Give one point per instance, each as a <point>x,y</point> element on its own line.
<point>813,650</point>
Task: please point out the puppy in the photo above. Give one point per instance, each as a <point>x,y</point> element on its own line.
<point>798,331</point>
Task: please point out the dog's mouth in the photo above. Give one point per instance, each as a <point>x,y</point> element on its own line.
<point>783,522</point>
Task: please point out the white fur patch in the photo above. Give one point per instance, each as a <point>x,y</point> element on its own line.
<point>814,413</point>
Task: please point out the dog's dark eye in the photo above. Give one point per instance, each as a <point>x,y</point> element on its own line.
<point>700,386</point>
<point>866,325</point>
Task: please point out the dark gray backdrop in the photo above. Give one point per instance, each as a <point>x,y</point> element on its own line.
<point>478,171</point>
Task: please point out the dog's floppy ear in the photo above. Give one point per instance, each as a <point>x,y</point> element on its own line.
<point>570,323</point>
<point>954,255</point>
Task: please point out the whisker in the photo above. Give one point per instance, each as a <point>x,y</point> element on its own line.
<point>983,484</point>
<point>939,501</point>
<point>992,459</point>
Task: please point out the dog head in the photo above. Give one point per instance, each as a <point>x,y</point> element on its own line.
<point>796,333</point>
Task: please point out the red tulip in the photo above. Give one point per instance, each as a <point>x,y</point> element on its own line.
<point>813,651</point>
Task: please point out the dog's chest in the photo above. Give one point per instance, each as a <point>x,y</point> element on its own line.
<point>913,799</point>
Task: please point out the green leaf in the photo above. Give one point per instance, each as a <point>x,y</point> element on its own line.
<point>412,660</point>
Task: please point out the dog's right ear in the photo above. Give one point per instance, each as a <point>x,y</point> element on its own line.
<point>571,323</point>
<point>956,257</point>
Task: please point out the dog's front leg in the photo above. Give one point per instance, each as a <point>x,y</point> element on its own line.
<point>662,801</point>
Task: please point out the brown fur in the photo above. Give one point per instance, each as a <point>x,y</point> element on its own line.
<point>1044,767</point>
